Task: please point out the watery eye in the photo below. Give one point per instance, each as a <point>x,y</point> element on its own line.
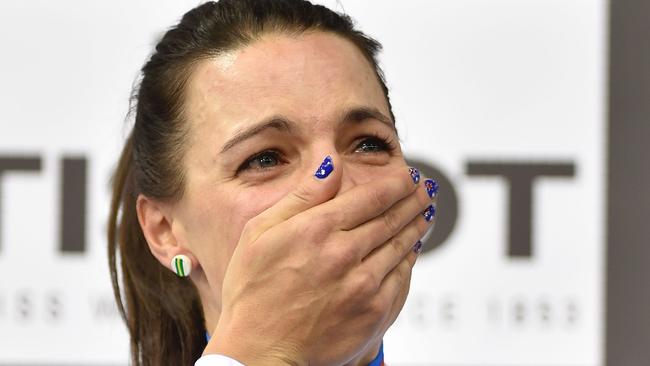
<point>263,160</point>
<point>372,144</point>
<point>266,160</point>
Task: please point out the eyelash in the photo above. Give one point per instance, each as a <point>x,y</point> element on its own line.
<point>246,165</point>
<point>384,145</point>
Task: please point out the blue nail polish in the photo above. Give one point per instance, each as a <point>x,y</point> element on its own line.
<point>325,168</point>
<point>417,248</point>
<point>429,213</point>
<point>432,187</point>
<point>415,174</point>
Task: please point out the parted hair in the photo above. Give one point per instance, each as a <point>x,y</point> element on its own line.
<point>163,312</point>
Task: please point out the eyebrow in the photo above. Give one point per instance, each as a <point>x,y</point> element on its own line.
<point>281,123</point>
<point>360,114</point>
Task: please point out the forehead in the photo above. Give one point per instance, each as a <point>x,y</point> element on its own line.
<point>311,76</point>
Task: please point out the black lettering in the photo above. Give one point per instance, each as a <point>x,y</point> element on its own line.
<point>520,177</point>
<point>73,206</point>
<point>20,164</point>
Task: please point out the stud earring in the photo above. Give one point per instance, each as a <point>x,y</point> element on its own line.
<point>181,265</point>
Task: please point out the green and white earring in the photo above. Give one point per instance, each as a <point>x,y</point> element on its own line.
<point>181,265</point>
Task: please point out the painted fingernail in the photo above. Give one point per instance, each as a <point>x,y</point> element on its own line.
<point>431,186</point>
<point>415,174</point>
<point>325,168</point>
<point>417,248</point>
<point>429,213</point>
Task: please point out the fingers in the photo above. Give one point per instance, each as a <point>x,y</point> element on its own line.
<point>385,258</point>
<point>311,191</point>
<point>366,201</point>
<point>399,289</point>
<point>406,217</point>
<point>394,289</point>
<point>389,266</point>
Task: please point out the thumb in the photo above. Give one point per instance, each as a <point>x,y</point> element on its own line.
<point>312,190</point>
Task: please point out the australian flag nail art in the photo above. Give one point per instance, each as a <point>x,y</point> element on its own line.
<point>431,186</point>
<point>429,213</point>
<point>417,248</point>
<point>325,168</point>
<point>415,174</point>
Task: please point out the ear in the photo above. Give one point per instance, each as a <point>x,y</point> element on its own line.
<point>156,221</point>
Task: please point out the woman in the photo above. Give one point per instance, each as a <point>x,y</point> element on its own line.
<point>262,210</point>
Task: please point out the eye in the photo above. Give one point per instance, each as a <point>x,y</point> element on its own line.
<point>373,144</point>
<point>264,160</point>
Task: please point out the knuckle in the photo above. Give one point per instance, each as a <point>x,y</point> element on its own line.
<point>332,218</point>
<point>310,230</point>
<point>377,309</point>
<point>391,221</point>
<point>397,245</point>
<point>302,195</point>
<point>365,284</point>
<point>378,198</point>
<point>316,234</point>
<point>403,272</point>
<point>374,311</point>
<point>339,258</point>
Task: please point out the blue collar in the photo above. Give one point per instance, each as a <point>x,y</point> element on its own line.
<point>378,361</point>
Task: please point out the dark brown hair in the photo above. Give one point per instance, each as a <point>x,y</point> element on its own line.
<point>163,312</point>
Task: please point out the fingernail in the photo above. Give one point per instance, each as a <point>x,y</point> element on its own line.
<point>429,213</point>
<point>432,187</point>
<point>415,174</point>
<point>417,248</point>
<point>325,168</point>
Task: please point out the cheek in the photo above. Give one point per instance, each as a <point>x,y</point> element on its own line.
<point>219,221</point>
<point>251,201</point>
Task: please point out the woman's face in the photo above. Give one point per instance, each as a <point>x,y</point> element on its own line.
<point>262,118</point>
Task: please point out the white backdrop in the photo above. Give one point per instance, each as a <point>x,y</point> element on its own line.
<point>502,81</point>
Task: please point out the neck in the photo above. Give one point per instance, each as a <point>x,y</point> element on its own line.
<point>211,308</point>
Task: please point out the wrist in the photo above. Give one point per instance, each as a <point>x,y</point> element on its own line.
<point>369,356</point>
<point>249,348</point>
